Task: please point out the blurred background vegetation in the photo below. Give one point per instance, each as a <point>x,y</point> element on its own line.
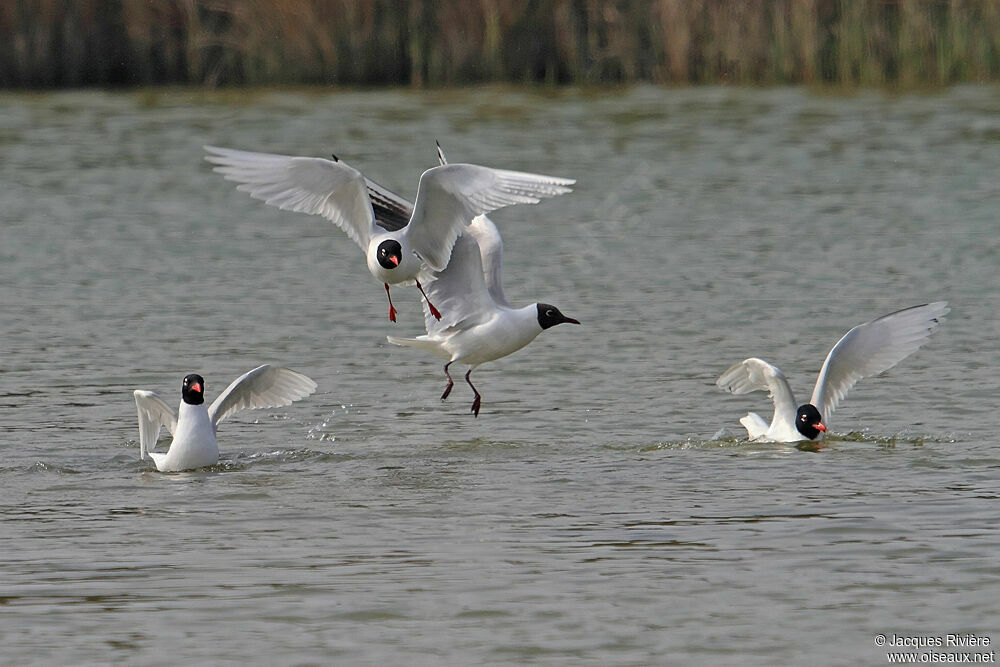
<point>58,43</point>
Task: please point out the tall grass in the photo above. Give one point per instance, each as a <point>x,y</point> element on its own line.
<point>443,42</point>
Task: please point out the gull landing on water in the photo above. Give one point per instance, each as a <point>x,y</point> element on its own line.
<point>867,349</point>
<point>398,250</point>
<point>476,327</point>
<point>194,426</point>
<point>483,326</point>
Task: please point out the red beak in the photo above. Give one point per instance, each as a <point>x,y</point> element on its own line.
<point>196,387</point>
<point>394,260</point>
<point>820,426</point>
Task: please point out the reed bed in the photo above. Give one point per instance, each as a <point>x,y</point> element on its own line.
<point>50,43</point>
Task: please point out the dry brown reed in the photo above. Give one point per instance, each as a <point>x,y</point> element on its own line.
<point>47,43</point>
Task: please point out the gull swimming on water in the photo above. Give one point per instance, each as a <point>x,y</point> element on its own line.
<point>867,349</point>
<point>194,426</point>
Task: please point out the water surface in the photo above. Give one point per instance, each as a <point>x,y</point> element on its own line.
<point>602,509</point>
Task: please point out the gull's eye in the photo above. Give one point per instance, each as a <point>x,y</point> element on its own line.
<point>549,313</point>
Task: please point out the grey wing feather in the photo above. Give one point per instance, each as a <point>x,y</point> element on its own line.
<point>317,186</point>
<point>153,414</point>
<point>450,196</point>
<point>873,348</point>
<point>491,252</point>
<point>459,291</point>
<point>263,387</point>
<point>490,247</point>
<point>392,212</point>
<point>755,374</point>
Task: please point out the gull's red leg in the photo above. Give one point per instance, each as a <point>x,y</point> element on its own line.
<point>434,311</point>
<point>392,310</point>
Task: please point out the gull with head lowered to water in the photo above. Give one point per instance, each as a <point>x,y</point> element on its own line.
<point>867,349</point>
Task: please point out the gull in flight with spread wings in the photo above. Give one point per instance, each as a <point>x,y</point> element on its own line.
<point>480,325</point>
<point>399,249</point>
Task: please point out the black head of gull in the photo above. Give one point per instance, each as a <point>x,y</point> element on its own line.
<point>549,316</point>
<point>809,421</point>
<point>193,389</point>
<point>389,254</point>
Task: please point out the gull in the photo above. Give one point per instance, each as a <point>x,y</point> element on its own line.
<point>478,327</point>
<point>867,349</point>
<point>194,426</point>
<point>448,198</point>
<point>483,235</point>
<point>390,207</point>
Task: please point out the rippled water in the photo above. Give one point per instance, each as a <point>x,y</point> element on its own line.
<point>602,509</point>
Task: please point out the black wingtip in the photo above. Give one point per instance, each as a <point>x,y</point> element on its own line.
<point>335,158</point>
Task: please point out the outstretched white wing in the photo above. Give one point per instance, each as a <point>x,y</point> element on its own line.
<point>755,374</point>
<point>490,248</point>
<point>491,252</point>
<point>459,291</point>
<point>450,196</point>
<point>872,348</point>
<point>263,387</point>
<point>153,413</point>
<point>334,190</point>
